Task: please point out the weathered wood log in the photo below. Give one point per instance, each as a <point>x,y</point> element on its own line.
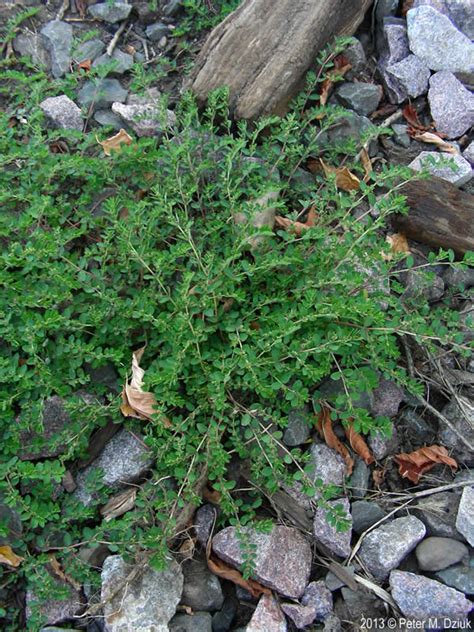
<point>262,50</point>
<point>440,215</point>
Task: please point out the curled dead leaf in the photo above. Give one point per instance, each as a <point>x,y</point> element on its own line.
<point>297,227</point>
<point>85,65</point>
<point>366,163</point>
<point>416,463</point>
<point>398,244</point>
<point>7,556</point>
<point>324,426</point>
<point>119,504</point>
<point>345,179</point>
<point>135,401</point>
<point>359,445</point>
<point>434,139</point>
<point>411,116</point>
<point>115,142</point>
<point>221,569</point>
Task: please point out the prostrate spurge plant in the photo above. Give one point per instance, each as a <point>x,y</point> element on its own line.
<point>101,256</point>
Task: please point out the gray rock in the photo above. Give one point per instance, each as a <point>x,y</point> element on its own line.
<point>417,431</point>
<point>339,542</point>
<point>11,522</point>
<point>50,441</point>
<point>463,421</point>
<point>451,104</point>
<point>55,611</point>
<point>222,620</point>
<point>300,615</point>
<point>297,430</point>
<point>361,603</point>
<point>387,398</point>
<point>31,45</point>
<point>363,98</point>
<point>436,554</point>
<point>365,513</point>
<point>385,547</point>
<point>202,589</point>
<point>465,517</point>
<point>146,119</point>
<point>401,134</point>
<point>123,460</point>
<point>437,42</point>
<point>410,76</point>
<point>318,596</point>
<point>267,616</point>
<point>282,558</point>
<point>197,622</point>
<point>464,475</point>
<point>454,277</point>
<point>204,519</point>
<point>146,603</point>
<point>326,465</point>
<point>101,93</point>
<point>57,39</point>
<point>156,31</point>
<point>383,9</point>
<point>359,481</point>
<point>118,62</point>
<point>351,126</point>
<point>333,582</point>
<point>458,171</point>
<point>382,445</point>
<point>468,153</point>
<point>110,11</point>
<point>89,50</point>
<point>422,598</point>
<point>438,513</point>
<point>460,576</point>
<point>394,47</point>
<point>108,118</point>
<point>332,624</point>
<point>355,55</point>
<point>419,284</point>
<point>172,7</point>
<point>62,112</point>
<point>458,11</point>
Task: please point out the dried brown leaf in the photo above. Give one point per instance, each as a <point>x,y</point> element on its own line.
<point>135,401</point>
<point>7,556</point>
<point>297,227</point>
<point>416,463</point>
<point>359,445</point>
<point>221,569</point>
<point>119,504</point>
<point>398,244</point>
<point>434,139</point>
<point>345,179</point>
<point>366,163</point>
<point>411,116</point>
<point>85,65</point>
<point>58,571</point>
<point>115,142</point>
<point>324,426</point>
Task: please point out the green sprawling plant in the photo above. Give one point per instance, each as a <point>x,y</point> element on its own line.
<point>103,255</point>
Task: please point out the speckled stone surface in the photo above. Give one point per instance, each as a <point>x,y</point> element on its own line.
<point>451,104</point>
<point>282,558</point>
<point>267,616</point>
<point>339,542</point>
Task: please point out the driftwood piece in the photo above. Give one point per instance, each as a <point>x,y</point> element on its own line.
<point>440,215</point>
<point>262,50</point>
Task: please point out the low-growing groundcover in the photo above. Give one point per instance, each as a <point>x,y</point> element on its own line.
<point>102,256</point>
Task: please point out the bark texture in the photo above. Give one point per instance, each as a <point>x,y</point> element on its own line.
<point>440,215</point>
<point>262,50</point>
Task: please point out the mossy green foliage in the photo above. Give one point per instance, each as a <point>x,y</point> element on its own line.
<point>102,255</point>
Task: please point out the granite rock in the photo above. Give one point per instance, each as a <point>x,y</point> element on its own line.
<point>468,153</point>
<point>55,611</point>
<point>144,119</point>
<point>365,513</point>
<point>420,284</point>
<point>462,419</point>
<point>326,465</point>
<point>459,576</point>
<point>11,522</point>
<point>282,558</point>
<point>57,39</point>
<point>148,602</point>
<point>118,62</point>
<point>297,430</point>
<point>123,460</point>
<point>108,118</point>
<point>202,589</point>
<point>437,42</point>
<point>267,616</point>
<point>204,520</point>
<point>197,622</point>
<point>386,546</point>
<point>410,77</point>
<point>458,11</point>
<point>451,104</point>
<point>28,44</point>
<point>111,12</point>
<point>465,517</point>
<point>387,398</point>
<point>438,513</point>
<point>436,554</point>
<point>319,597</point>
<point>88,50</point>
<point>421,598</point>
<point>393,48</point>
<point>382,445</point>
<point>62,112</point>
<point>339,542</point>
<point>458,171</point>
<point>355,55</point>
<point>359,481</point>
